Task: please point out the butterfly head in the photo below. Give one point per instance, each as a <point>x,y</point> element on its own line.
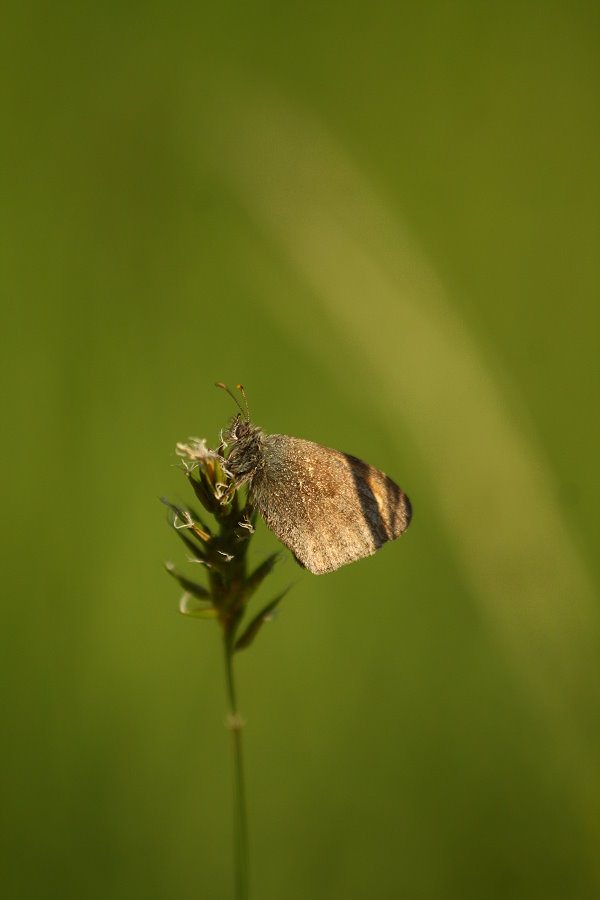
<point>244,438</point>
<point>245,454</point>
<point>238,429</point>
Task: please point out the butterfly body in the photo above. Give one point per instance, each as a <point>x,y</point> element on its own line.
<point>328,507</point>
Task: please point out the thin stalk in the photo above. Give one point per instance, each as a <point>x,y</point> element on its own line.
<point>239,800</point>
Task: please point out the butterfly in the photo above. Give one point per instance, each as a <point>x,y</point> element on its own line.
<point>328,507</point>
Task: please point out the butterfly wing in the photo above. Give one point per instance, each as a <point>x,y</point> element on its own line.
<point>328,507</point>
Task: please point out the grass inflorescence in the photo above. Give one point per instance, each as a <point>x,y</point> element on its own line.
<point>221,549</point>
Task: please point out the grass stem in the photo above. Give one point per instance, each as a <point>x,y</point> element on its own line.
<point>239,800</point>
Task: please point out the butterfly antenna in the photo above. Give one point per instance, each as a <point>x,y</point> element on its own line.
<point>232,395</point>
<point>240,387</point>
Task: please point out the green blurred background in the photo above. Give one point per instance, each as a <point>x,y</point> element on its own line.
<point>383,219</point>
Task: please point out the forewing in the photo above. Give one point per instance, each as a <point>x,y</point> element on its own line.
<point>328,507</point>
